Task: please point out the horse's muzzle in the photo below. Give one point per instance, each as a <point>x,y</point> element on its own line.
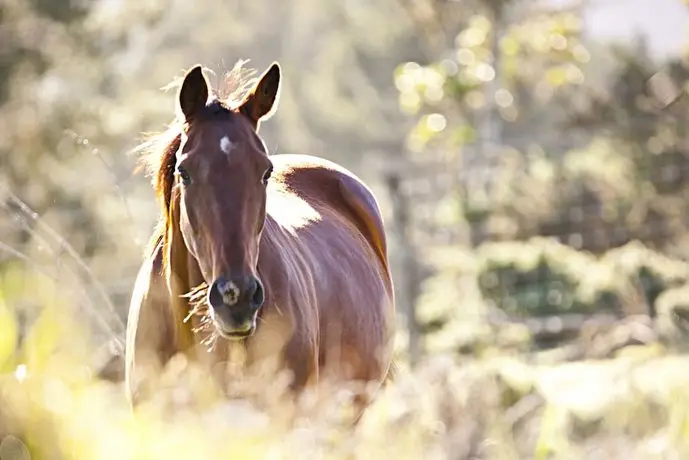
<point>235,304</point>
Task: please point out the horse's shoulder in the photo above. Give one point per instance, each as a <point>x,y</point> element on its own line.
<point>148,326</point>
<point>146,286</point>
<point>150,276</point>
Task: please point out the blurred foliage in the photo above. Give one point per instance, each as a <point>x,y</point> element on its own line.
<point>652,273</point>
<point>531,148</point>
<point>673,316</point>
<point>543,278</point>
<point>537,55</point>
<point>486,299</point>
<point>530,132</point>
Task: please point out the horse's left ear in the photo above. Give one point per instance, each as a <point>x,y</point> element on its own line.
<point>261,102</point>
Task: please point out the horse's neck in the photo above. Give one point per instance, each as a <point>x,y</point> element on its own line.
<point>283,269</point>
<point>271,260</point>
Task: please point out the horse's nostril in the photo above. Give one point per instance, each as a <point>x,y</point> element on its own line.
<point>215,297</point>
<point>257,296</point>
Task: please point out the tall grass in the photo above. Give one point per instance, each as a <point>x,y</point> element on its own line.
<point>52,406</point>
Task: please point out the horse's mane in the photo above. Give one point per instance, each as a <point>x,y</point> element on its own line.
<point>157,152</point>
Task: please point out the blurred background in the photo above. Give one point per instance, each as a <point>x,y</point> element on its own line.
<point>531,159</point>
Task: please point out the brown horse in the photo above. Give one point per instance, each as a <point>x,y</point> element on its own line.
<point>283,255</point>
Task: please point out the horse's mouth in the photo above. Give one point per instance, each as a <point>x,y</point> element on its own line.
<point>235,333</point>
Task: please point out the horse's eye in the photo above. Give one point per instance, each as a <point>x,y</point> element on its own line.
<point>184,175</point>
<point>267,175</point>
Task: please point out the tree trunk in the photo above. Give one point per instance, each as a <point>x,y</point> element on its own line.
<point>409,279</point>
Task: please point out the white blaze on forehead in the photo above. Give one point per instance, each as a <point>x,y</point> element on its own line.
<point>226,145</point>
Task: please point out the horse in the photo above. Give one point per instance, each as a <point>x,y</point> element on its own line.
<point>282,255</point>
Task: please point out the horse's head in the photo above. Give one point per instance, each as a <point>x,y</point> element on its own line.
<point>222,170</point>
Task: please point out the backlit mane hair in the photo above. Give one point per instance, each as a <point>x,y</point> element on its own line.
<point>157,153</point>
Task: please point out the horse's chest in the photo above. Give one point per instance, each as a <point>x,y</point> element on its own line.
<point>259,357</point>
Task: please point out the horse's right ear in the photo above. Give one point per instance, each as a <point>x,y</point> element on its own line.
<point>193,94</point>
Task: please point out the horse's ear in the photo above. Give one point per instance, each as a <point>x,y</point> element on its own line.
<point>261,102</point>
<point>193,94</point>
